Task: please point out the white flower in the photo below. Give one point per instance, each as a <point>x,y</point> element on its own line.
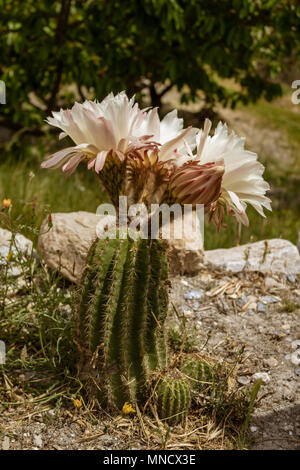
<point>97,129</point>
<point>116,125</point>
<point>174,140</point>
<point>242,181</point>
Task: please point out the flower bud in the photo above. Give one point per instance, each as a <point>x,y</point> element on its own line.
<point>198,184</point>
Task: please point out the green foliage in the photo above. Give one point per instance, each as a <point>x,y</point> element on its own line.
<point>55,51</point>
<point>122,308</point>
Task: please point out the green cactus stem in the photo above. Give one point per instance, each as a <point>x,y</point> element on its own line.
<point>121,310</point>
<point>173,399</point>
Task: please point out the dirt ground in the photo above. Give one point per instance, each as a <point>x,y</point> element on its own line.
<point>234,315</point>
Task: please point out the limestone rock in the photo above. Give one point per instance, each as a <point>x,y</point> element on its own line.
<point>66,244</point>
<point>21,248</point>
<point>267,256</point>
<point>185,253</point>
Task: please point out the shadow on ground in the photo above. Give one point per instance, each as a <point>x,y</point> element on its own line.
<point>277,430</point>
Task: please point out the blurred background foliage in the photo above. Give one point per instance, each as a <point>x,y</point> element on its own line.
<point>216,53</point>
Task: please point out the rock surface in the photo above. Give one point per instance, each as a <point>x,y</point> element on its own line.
<point>20,248</point>
<point>269,339</point>
<point>65,245</point>
<point>266,256</point>
<point>185,254</point>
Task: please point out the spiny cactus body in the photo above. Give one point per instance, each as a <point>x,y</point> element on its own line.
<point>173,399</point>
<point>201,373</point>
<point>121,311</point>
<point>208,380</point>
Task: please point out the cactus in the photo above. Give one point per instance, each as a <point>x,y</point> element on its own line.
<point>173,399</point>
<point>208,380</point>
<point>200,372</point>
<point>120,315</point>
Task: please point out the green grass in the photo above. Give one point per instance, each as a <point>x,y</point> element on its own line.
<point>282,118</point>
<point>35,192</point>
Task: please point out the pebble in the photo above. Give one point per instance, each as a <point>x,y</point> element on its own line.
<point>270,283</point>
<point>271,362</point>
<point>187,313</point>
<point>291,278</point>
<point>263,376</point>
<point>286,326</point>
<point>206,278</point>
<point>194,294</point>
<point>295,357</point>
<point>37,440</point>
<point>261,307</point>
<point>253,428</point>
<point>250,312</point>
<point>296,344</point>
<point>5,443</point>
<point>107,440</point>
<point>269,299</point>
<point>297,371</point>
<point>242,301</point>
<point>184,282</point>
<point>243,380</point>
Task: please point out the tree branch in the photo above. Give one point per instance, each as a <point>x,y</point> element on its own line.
<point>60,35</point>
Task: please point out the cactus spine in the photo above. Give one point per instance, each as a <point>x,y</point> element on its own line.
<point>173,399</point>
<point>122,306</point>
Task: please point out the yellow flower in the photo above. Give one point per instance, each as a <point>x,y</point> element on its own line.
<point>77,403</point>
<point>9,256</point>
<point>6,203</point>
<point>127,408</point>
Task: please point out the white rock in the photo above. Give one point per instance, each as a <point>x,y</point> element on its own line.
<point>296,344</point>
<point>66,244</point>
<point>271,362</point>
<point>271,283</point>
<point>194,294</point>
<point>261,307</point>
<point>267,256</point>
<point>295,357</point>
<point>261,375</point>
<point>5,443</point>
<point>243,380</point>
<point>185,254</point>
<point>269,299</point>
<point>37,440</point>
<point>21,248</point>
